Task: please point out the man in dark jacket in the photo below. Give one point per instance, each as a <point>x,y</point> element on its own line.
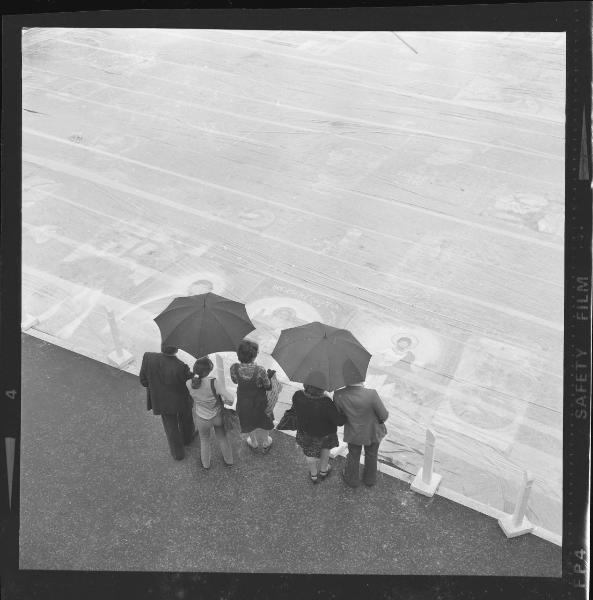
<point>165,377</point>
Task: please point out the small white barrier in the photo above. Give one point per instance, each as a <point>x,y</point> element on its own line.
<point>10,445</point>
<point>340,450</point>
<point>427,481</point>
<point>119,357</point>
<point>220,371</point>
<point>28,321</point>
<point>517,524</point>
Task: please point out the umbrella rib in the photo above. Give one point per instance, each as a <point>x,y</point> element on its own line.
<point>234,315</point>
<point>325,354</point>
<point>213,314</point>
<point>286,343</point>
<point>174,313</point>
<point>192,315</point>
<point>174,305</point>
<point>302,361</point>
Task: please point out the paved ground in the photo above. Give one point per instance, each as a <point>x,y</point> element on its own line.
<point>99,491</point>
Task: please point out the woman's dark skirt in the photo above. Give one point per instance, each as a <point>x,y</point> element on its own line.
<point>252,413</point>
<point>312,446</point>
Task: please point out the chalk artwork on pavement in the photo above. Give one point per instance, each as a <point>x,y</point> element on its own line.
<point>136,322</point>
<point>200,286</point>
<point>198,283</point>
<point>272,314</point>
<point>402,347</point>
<point>257,219</point>
<point>449,154</point>
<point>505,376</point>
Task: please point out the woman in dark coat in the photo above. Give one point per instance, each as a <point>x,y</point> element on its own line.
<point>252,382</point>
<point>317,423</point>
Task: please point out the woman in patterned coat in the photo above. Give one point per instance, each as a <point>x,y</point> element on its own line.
<point>252,382</point>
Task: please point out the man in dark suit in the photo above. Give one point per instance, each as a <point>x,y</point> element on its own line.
<point>165,377</point>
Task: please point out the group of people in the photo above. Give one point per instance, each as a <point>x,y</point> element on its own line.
<point>193,401</point>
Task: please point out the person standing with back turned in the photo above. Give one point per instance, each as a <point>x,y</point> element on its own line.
<point>252,383</point>
<point>365,417</point>
<point>207,397</point>
<point>165,377</point>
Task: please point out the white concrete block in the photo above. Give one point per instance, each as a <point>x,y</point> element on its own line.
<point>426,489</point>
<point>511,529</point>
<point>120,359</point>
<point>341,450</point>
<point>28,321</point>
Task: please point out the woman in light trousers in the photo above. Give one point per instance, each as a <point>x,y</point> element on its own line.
<point>207,411</point>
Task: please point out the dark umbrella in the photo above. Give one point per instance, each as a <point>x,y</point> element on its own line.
<point>203,324</point>
<point>320,355</point>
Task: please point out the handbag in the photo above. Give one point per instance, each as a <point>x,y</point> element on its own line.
<point>229,416</point>
<point>272,394</point>
<point>380,431</point>
<point>288,422</point>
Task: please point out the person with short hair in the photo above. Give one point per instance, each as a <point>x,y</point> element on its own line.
<point>207,397</point>
<point>164,376</point>
<point>317,422</point>
<point>365,426</point>
<point>252,382</point>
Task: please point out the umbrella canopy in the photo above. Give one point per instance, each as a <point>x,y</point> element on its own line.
<point>203,324</point>
<point>320,355</point>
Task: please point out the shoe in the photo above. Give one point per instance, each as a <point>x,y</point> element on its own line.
<point>314,478</point>
<point>369,481</point>
<point>250,444</point>
<point>324,474</point>
<point>226,464</point>
<point>266,449</point>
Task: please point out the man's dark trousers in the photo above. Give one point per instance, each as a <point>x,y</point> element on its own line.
<point>165,378</point>
<point>180,429</point>
<point>352,469</point>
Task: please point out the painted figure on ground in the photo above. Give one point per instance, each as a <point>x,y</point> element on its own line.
<point>272,315</point>
<point>404,345</point>
<point>165,377</point>
<point>400,353</point>
<point>201,286</point>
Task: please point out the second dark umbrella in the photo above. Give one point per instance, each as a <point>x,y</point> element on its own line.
<point>321,355</point>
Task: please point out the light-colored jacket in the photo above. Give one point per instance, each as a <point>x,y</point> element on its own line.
<point>365,414</point>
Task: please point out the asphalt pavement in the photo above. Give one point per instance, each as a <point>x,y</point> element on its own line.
<point>100,491</point>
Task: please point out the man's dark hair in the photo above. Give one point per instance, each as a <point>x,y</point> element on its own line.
<point>247,351</point>
<point>170,350</point>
